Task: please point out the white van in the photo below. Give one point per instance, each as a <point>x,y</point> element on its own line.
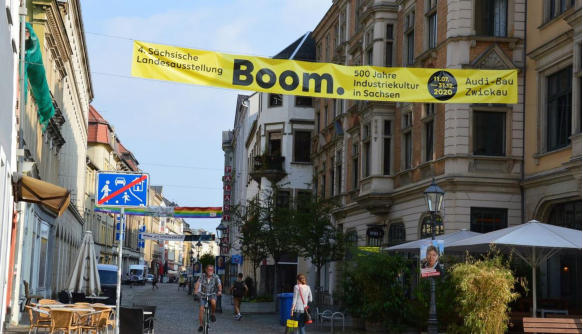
<point>108,281</point>
<point>138,273</point>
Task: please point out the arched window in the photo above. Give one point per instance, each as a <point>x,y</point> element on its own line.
<point>396,234</point>
<point>425,228</point>
<point>566,214</point>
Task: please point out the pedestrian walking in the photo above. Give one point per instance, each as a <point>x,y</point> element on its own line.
<point>302,296</point>
<point>239,289</point>
<point>155,282</point>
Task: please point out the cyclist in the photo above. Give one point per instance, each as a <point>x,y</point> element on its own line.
<point>209,282</point>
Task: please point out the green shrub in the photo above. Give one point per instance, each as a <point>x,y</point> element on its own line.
<point>483,288</point>
<point>374,288</point>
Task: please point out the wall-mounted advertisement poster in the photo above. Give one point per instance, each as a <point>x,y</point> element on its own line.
<point>429,258</point>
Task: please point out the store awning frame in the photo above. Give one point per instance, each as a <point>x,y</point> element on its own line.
<point>32,190</point>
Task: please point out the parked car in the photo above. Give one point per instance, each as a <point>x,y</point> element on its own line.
<point>149,278</point>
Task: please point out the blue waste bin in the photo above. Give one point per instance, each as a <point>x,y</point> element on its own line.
<point>285,306</point>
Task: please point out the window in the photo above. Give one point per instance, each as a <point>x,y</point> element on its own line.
<point>301,146</point>
<point>557,7</point>
<point>389,46</point>
<point>410,38</point>
<point>429,140</point>
<point>283,197</point>
<point>275,100</point>
<point>332,179</point>
<point>396,234</point>
<point>484,220</point>
<point>490,17</point>
<point>407,139</point>
<point>566,214</point>
<point>387,148</point>
<point>366,146</point>
<point>338,107</point>
<point>429,130</point>
<point>559,109</point>
<point>323,185</point>
<point>342,26</point>
<point>489,133</point>
<point>351,243</point>
<point>431,15</point>
<point>303,101</point>
<point>425,228</point>
<point>354,166</point>
<point>339,172</point>
<point>274,144</point>
<point>374,236</point>
<point>304,199</point>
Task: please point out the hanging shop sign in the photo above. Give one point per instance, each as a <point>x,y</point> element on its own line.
<point>293,77</point>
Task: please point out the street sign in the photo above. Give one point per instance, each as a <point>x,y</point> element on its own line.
<point>142,228</point>
<point>142,244</point>
<point>116,189</point>
<point>117,234</point>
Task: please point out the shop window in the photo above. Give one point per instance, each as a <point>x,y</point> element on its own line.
<point>484,220</point>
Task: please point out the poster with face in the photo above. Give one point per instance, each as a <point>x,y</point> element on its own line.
<point>197,268</point>
<point>220,264</point>
<point>429,258</point>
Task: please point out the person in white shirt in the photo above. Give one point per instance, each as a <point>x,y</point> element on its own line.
<point>302,296</point>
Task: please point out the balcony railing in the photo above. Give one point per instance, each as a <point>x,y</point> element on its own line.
<point>269,166</point>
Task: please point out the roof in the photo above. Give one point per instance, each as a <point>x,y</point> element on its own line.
<point>304,49</point>
<point>99,128</point>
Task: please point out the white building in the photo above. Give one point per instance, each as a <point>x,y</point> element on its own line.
<point>271,144</point>
<point>9,46</point>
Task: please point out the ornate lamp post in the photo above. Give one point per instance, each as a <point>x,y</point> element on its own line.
<point>198,249</point>
<point>434,198</point>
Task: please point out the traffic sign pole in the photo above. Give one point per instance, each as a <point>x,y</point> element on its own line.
<point>122,222</point>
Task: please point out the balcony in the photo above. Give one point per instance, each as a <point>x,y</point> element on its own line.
<point>268,166</point>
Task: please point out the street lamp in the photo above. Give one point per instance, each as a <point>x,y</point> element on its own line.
<point>198,249</point>
<point>221,230</point>
<point>434,198</point>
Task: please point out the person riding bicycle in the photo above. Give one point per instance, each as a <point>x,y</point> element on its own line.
<point>208,283</point>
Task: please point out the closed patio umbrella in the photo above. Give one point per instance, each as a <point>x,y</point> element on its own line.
<point>85,278</point>
<point>533,242</point>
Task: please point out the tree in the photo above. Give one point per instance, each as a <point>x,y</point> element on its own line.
<point>207,259</point>
<point>317,238</point>
<point>277,220</point>
<point>252,236</point>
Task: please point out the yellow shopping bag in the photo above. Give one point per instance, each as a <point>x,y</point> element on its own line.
<point>292,323</point>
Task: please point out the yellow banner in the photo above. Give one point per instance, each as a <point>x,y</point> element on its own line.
<point>291,77</point>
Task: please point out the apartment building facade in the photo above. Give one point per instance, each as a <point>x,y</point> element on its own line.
<point>552,178</point>
<point>270,145</point>
<point>377,158</point>
<point>54,151</point>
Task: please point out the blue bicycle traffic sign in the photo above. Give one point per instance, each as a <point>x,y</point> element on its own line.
<point>116,189</point>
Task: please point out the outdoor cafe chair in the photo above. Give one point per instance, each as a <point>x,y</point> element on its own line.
<point>62,319</point>
<point>28,297</point>
<point>111,314</point>
<point>94,321</point>
<point>48,302</point>
<point>37,319</point>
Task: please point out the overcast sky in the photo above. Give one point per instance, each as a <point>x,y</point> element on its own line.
<point>174,130</point>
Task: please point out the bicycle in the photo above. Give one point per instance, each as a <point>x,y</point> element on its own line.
<point>206,319</point>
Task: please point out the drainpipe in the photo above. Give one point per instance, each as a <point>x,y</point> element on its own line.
<point>522,173</point>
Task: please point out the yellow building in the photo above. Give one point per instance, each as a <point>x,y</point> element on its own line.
<point>552,157</point>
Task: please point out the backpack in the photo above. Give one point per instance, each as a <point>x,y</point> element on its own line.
<point>238,289</point>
